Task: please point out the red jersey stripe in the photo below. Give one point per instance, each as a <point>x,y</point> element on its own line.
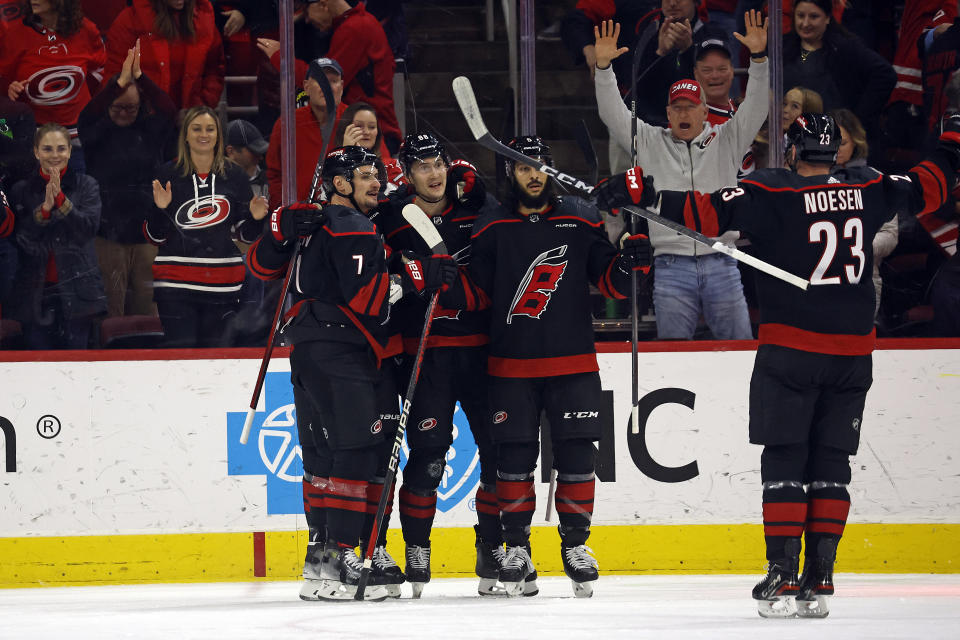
<point>231,274</point>
<point>542,367</point>
<point>829,343</point>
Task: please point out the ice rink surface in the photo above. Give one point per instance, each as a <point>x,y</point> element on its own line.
<point>716,607</point>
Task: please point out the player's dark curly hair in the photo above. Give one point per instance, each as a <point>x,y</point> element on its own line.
<point>171,26</point>
<point>69,16</point>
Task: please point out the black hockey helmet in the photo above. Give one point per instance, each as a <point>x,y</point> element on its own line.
<point>420,146</point>
<point>343,162</point>
<point>816,138</point>
<point>530,146</point>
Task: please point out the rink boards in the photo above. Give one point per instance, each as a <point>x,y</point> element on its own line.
<point>120,467</point>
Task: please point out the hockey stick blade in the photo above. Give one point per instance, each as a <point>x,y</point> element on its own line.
<point>464,93</point>
<point>417,219</point>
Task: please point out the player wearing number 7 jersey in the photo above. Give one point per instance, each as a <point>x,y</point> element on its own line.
<point>813,366</point>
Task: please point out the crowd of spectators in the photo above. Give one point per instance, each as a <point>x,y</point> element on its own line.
<point>127,195</point>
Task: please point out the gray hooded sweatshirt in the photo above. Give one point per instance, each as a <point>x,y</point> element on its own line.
<point>708,163</point>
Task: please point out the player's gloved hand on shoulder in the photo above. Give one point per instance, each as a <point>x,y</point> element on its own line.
<point>297,220</point>
<point>464,185</point>
<point>423,275</point>
<point>635,252</point>
<point>625,189</point>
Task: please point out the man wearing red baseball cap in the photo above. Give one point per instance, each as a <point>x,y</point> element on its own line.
<point>690,281</point>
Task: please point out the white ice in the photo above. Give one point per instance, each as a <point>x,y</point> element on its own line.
<point>715,607</point>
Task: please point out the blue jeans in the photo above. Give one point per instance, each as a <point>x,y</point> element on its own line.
<point>684,287</point>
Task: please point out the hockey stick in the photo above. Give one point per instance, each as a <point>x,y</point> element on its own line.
<point>582,135</point>
<point>468,105</point>
<point>327,131</point>
<point>422,225</point>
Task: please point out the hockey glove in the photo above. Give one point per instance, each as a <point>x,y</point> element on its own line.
<point>465,186</point>
<point>423,276</point>
<point>298,220</point>
<point>635,253</point>
<point>625,189</point>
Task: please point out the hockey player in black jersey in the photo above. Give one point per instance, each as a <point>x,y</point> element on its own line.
<point>535,259</point>
<point>813,366</point>
<point>347,403</point>
<point>454,365</point>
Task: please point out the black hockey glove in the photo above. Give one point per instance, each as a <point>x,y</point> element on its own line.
<point>625,189</point>
<point>298,220</point>
<point>423,276</point>
<point>465,186</point>
<point>635,252</point>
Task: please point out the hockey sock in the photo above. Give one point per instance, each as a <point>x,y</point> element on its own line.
<point>417,510</point>
<point>515,493</point>
<point>346,495</point>
<point>784,500</point>
<point>574,460</point>
<point>829,500</point>
<point>374,491</point>
<point>488,513</point>
<point>314,507</point>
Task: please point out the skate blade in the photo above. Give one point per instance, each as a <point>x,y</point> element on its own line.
<point>334,590</point>
<point>530,588</point>
<point>778,607</point>
<point>513,589</point>
<point>583,589</point>
<point>490,587</point>
<point>416,589</point>
<point>818,608</point>
<point>393,591</point>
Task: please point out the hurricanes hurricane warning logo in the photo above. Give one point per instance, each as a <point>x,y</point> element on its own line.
<point>538,284</point>
<point>203,212</point>
<point>55,85</point>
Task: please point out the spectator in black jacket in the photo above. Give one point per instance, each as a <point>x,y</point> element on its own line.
<point>124,130</point>
<point>59,292</point>
<point>822,55</point>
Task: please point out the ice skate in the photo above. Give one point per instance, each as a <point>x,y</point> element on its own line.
<point>338,575</point>
<point>387,571</point>
<point>311,568</point>
<point>515,569</point>
<point>816,583</point>
<point>418,568</point>
<point>581,567</point>
<point>776,594</point>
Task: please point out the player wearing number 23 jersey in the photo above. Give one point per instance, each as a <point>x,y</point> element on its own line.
<point>813,366</point>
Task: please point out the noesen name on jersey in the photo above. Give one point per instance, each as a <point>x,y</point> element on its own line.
<point>833,200</point>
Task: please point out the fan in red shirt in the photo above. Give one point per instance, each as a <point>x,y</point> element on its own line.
<point>50,58</point>
<point>181,48</point>
<point>359,44</point>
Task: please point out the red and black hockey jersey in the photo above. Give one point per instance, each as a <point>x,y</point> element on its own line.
<point>6,217</point>
<point>55,69</point>
<point>460,318</point>
<point>537,271</point>
<point>197,257</point>
<point>820,228</point>
<point>341,279</point>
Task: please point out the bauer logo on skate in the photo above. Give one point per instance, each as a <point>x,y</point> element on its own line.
<point>274,450</point>
<point>202,213</point>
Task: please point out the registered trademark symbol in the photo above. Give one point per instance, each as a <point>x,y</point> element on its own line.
<point>48,427</point>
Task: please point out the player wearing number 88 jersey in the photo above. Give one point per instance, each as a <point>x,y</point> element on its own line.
<point>813,367</point>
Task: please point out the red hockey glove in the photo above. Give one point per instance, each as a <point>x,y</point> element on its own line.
<point>298,220</point>
<point>426,275</point>
<point>465,186</point>
<point>635,252</point>
<point>624,189</point>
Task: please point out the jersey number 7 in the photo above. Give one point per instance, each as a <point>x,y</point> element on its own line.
<point>826,232</point>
